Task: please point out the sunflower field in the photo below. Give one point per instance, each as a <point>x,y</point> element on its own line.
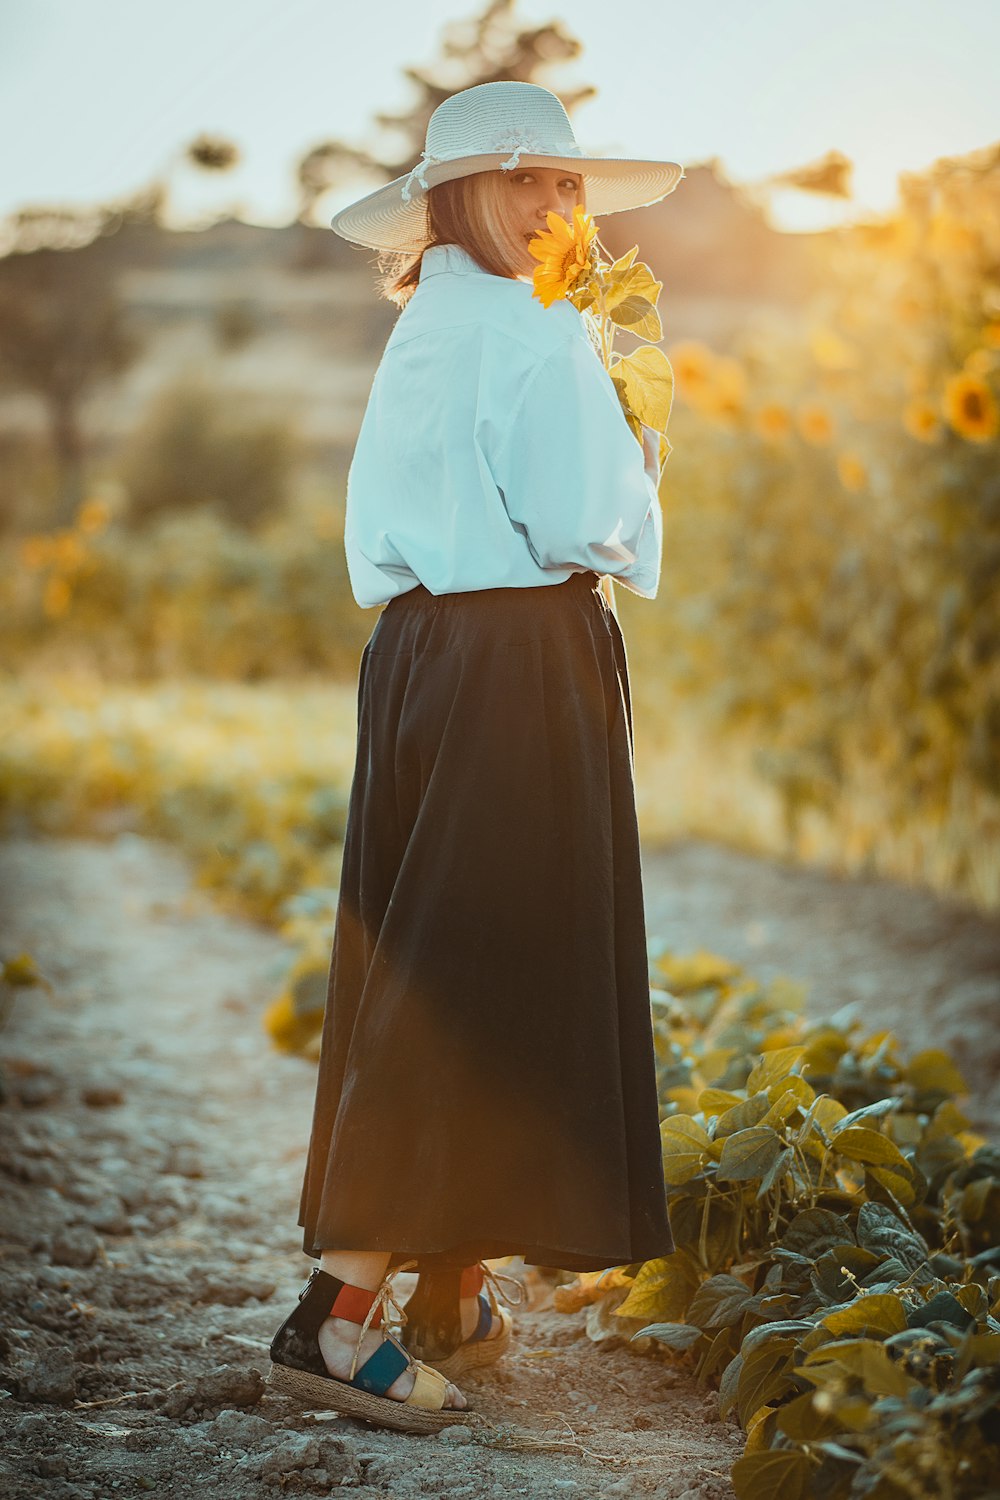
<point>831,604</point>
<point>819,676</point>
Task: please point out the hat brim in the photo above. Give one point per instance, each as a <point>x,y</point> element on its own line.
<point>382,221</point>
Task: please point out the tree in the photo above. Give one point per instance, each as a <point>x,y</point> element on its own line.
<point>488,48</point>
<point>62,334</point>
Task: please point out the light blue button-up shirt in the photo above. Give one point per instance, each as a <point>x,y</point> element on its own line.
<point>493,452</point>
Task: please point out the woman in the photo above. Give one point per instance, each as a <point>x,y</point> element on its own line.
<point>486,1080</point>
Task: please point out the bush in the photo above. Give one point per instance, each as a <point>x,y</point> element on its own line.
<point>837,1231</point>
<point>199,447</point>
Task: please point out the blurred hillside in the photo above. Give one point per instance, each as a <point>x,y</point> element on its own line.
<point>291,318</point>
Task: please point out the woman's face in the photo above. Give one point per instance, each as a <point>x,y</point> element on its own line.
<point>535,192</point>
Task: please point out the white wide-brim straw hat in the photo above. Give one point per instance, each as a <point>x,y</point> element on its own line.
<point>501,125</point>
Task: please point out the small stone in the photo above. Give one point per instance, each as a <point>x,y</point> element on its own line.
<point>37,1090</point>
<point>33,1425</point>
<point>39,1172</point>
<point>50,1380</point>
<point>102,1095</point>
<point>183,1161</point>
<point>376,1469</point>
<point>141,1440</point>
<point>230,1291</point>
<point>53,1279</point>
<point>75,1246</point>
<point>131,1190</point>
<point>239,1429</point>
<point>459,1433</point>
<point>226,1385</point>
<point>109,1216</point>
<point>228,1213</point>
<point>50,1466</point>
<point>295,1452</point>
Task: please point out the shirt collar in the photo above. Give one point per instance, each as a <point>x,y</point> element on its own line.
<point>454,259</point>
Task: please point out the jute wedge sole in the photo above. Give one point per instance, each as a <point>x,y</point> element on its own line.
<point>317,1390</point>
<point>475,1356</point>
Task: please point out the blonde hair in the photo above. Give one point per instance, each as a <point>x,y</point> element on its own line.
<point>475,212</point>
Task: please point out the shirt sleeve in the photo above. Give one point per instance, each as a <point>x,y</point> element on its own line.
<point>572,476</point>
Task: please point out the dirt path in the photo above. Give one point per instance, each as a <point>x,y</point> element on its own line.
<point>151,1154</point>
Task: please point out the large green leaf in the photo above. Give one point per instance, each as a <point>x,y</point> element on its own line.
<point>729,1385</point>
<point>865,1359</point>
<point>634,281</point>
<point>933,1072</point>
<point>749,1154</point>
<point>719,1302</point>
<point>764,1376</point>
<point>777,1471</point>
<point>674,1335</point>
<point>647,381</point>
<point>894,1186</point>
<point>685,1145</point>
<point>639,316</point>
<point>662,1289</point>
<point>881,1230</point>
<point>816,1230</point>
<point>943,1307</point>
<point>875,1111</point>
<point>800,1420</point>
<point>766,1333</point>
<point>742,1115</point>
<point>878,1314</point>
<point>859,1144</point>
<point>771,1067</point>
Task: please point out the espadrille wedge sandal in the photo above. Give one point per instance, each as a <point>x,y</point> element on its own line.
<point>433,1327</point>
<point>298,1368</point>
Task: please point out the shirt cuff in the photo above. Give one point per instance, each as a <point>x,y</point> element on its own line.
<point>643,576</point>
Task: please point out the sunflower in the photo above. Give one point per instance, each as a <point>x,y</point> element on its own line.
<point>851,471</point>
<point>692,363</point>
<point>980,362</point>
<point>971,408</point>
<point>815,423</point>
<point>920,418</point>
<point>36,552</point>
<point>93,516</point>
<point>773,421</point>
<point>56,597</point>
<point>563,253</point>
<point>725,393</point>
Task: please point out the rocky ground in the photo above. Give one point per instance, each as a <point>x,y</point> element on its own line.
<point>150,1161</point>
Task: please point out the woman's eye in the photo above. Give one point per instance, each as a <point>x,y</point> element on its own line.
<point>528,177</point>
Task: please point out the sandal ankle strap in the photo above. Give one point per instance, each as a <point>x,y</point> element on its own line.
<point>473,1278</point>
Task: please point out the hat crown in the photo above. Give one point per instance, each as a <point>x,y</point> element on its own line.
<point>502,116</point>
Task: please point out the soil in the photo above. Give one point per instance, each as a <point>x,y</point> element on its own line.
<point>151,1155</point>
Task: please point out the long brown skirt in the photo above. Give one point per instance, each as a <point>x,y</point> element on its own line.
<point>486,1078</point>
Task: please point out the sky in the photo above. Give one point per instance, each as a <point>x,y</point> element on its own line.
<point>98,97</point>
